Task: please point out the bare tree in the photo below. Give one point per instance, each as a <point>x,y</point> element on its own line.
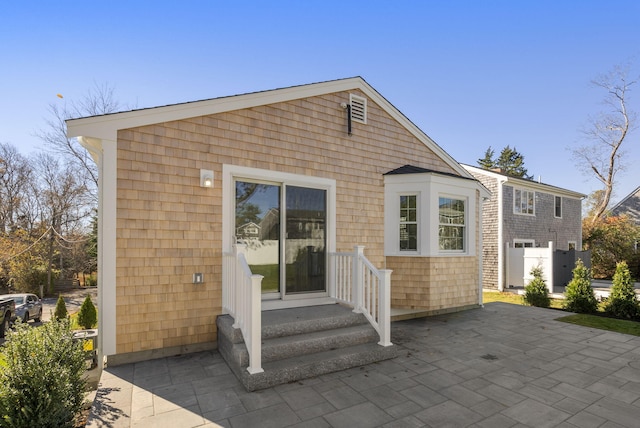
<point>97,101</point>
<point>15,173</point>
<point>603,155</point>
<point>66,207</point>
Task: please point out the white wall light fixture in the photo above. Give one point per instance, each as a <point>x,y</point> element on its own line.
<point>206,178</point>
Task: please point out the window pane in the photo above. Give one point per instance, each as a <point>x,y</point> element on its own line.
<point>408,237</point>
<point>451,238</point>
<point>408,223</point>
<point>452,219</point>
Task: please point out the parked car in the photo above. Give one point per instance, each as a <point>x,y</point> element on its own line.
<point>28,306</point>
<point>7,311</point>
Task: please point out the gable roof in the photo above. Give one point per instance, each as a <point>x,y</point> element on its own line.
<point>629,205</point>
<point>523,182</point>
<point>105,127</point>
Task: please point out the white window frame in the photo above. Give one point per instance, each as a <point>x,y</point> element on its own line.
<point>526,243</point>
<point>416,222</point>
<point>519,205</point>
<point>574,243</point>
<point>555,206</point>
<point>463,226</point>
<point>429,187</point>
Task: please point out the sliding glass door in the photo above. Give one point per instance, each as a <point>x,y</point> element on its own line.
<point>292,258</point>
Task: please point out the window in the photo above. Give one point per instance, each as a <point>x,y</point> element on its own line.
<point>572,245</point>
<point>429,215</point>
<point>523,243</point>
<point>558,206</point>
<point>408,223</point>
<point>451,230</point>
<point>523,202</point>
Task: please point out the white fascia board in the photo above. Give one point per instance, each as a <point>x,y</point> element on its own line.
<point>527,184</point>
<point>97,126</point>
<point>106,126</point>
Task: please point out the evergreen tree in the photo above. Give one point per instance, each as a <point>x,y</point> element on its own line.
<point>512,163</point>
<point>579,295</point>
<point>488,162</point>
<point>61,309</point>
<point>622,301</point>
<point>536,292</point>
<point>87,317</point>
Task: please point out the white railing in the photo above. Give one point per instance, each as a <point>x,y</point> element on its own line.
<point>242,299</point>
<point>357,283</point>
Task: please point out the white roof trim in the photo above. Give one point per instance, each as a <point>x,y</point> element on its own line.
<point>524,183</point>
<point>106,126</point>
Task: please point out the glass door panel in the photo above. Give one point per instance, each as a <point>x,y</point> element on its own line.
<point>258,226</point>
<point>305,240</point>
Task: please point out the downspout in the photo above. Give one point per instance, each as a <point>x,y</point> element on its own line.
<point>480,251</point>
<point>500,235</point>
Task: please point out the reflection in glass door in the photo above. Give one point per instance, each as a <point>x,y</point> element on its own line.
<point>258,226</point>
<point>301,245</point>
<point>305,241</point>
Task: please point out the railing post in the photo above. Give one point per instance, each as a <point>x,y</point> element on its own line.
<point>238,295</point>
<point>356,285</point>
<point>255,327</point>
<point>384,300</point>
<point>332,275</point>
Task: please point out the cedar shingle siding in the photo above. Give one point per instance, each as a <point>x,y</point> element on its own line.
<point>168,227</point>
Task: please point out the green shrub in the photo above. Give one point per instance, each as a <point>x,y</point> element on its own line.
<point>622,302</point>
<point>61,309</point>
<point>42,383</point>
<point>87,317</point>
<point>579,295</point>
<point>536,292</point>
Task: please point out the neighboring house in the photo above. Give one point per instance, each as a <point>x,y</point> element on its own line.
<point>525,214</point>
<point>630,205</point>
<point>248,231</point>
<point>328,166</point>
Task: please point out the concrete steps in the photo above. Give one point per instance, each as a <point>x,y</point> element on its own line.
<point>300,343</point>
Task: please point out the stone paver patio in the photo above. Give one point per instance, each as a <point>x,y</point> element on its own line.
<point>501,366</point>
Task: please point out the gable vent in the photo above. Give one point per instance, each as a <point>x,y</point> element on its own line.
<point>358,108</point>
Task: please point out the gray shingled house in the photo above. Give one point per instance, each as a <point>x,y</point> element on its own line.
<point>520,220</point>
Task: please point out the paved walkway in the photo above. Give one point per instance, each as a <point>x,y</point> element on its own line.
<point>501,366</point>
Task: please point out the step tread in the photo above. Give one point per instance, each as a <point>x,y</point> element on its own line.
<point>308,359</point>
<point>366,329</point>
<point>311,365</point>
<point>290,322</point>
<point>283,347</point>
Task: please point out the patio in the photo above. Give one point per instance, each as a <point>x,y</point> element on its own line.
<point>501,366</point>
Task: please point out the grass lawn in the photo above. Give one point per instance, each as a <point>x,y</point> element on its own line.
<point>603,323</point>
<point>513,298</point>
<point>593,321</point>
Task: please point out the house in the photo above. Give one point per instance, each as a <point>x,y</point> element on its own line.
<point>344,188</point>
<point>526,221</point>
<point>629,205</point>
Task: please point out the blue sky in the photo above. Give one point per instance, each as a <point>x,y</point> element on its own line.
<point>470,74</point>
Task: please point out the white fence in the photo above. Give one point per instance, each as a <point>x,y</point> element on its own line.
<point>520,261</point>
<point>557,266</point>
